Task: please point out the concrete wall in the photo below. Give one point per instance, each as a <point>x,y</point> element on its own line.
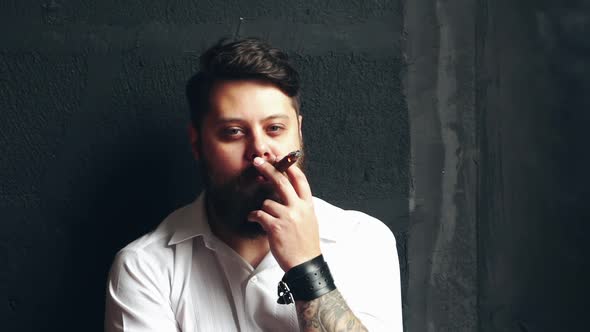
<point>498,106</point>
<point>533,78</point>
<point>440,90</point>
<point>93,132</point>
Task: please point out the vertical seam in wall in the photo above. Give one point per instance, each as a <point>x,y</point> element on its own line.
<point>481,21</point>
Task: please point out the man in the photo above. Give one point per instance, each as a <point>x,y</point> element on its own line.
<point>251,253</point>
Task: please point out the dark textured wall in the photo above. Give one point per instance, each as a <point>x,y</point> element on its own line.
<point>93,141</point>
<point>533,111</point>
<point>440,90</point>
<point>497,94</point>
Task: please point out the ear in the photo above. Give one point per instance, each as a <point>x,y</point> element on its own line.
<point>194,139</point>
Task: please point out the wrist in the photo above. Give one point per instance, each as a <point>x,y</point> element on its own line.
<point>293,262</point>
<point>306,281</point>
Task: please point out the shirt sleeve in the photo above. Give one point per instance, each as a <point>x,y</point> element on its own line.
<point>378,301</point>
<point>136,299</point>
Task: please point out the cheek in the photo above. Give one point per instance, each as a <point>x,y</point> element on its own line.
<point>223,160</point>
<point>295,142</point>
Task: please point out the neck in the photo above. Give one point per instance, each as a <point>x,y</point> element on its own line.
<point>252,250</point>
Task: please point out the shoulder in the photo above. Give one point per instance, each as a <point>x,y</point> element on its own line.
<point>152,249</point>
<point>340,224</point>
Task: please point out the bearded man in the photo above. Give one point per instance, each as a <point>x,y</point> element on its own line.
<point>251,252</point>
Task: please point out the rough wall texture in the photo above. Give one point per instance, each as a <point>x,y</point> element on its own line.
<point>440,90</point>
<point>498,106</point>
<point>93,131</point>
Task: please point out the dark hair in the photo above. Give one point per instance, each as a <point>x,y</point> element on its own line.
<point>248,58</point>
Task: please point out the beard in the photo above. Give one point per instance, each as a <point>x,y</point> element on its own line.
<point>229,203</point>
<point>232,201</point>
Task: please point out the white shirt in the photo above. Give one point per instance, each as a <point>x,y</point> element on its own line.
<point>181,277</point>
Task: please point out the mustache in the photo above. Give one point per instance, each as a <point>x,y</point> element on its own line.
<point>249,173</point>
<point>248,176</point>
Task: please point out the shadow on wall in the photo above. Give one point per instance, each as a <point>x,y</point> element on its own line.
<point>124,190</point>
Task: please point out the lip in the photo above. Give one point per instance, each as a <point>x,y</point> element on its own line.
<point>251,178</point>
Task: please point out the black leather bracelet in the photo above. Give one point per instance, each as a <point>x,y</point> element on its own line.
<point>306,281</point>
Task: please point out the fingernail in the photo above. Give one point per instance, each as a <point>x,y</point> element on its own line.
<point>258,161</point>
<point>251,216</point>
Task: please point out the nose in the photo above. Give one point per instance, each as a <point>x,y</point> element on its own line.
<point>260,147</point>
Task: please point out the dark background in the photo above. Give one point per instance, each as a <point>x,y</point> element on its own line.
<point>461,125</point>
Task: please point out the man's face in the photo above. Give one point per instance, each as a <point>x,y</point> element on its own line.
<point>247,118</point>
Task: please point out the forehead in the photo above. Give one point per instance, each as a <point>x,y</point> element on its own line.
<point>249,99</point>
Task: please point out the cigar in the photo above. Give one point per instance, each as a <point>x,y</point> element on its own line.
<point>289,160</point>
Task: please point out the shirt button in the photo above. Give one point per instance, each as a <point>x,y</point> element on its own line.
<point>254,279</point>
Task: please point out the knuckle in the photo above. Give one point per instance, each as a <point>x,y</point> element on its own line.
<point>299,175</point>
<point>266,204</point>
<point>292,216</point>
<point>282,181</point>
<point>274,228</point>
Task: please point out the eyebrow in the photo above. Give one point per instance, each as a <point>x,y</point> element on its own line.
<point>270,117</point>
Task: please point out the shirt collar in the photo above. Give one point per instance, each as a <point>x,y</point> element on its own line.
<point>191,221</point>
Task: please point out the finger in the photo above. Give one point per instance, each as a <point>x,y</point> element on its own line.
<point>273,208</point>
<point>299,182</point>
<point>284,189</point>
<point>268,222</point>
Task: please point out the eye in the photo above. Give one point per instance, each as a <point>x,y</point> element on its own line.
<point>275,128</point>
<point>232,132</point>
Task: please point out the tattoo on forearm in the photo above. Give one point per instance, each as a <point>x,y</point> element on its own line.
<point>328,313</point>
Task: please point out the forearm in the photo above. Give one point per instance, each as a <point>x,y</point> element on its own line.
<point>328,313</point>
